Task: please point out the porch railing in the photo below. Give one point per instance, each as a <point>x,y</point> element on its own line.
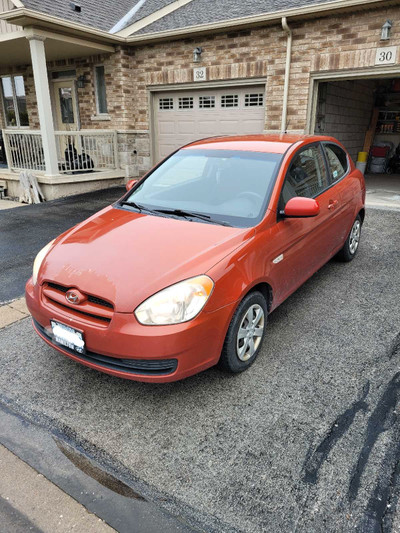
<point>24,149</point>
<point>77,151</point>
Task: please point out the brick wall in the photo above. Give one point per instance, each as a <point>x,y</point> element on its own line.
<point>345,110</point>
<point>342,42</point>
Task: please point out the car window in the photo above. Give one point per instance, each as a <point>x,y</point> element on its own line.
<point>230,186</point>
<point>182,170</point>
<point>337,161</point>
<point>306,176</point>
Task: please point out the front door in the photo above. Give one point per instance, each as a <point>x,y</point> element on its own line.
<point>66,119</point>
<point>66,105</point>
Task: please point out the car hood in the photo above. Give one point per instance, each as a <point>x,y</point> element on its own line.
<point>125,257</point>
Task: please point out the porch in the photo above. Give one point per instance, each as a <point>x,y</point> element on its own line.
<point>45,133</point>
<point>86,159</point>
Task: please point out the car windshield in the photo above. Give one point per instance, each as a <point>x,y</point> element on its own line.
<point>229,187</point>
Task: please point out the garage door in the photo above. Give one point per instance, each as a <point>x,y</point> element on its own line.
<point>185,116</point>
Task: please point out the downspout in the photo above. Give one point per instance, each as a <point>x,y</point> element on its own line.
<point>287,73</point>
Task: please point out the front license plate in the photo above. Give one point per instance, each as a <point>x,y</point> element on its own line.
<point>67,336</point>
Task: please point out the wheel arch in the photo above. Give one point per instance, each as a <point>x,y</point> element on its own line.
<point>265,289</point>
<point>362,214</point>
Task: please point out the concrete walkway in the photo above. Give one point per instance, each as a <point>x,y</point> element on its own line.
<point>383,191</point>
<point>29,502</point>
<point>9,204</point>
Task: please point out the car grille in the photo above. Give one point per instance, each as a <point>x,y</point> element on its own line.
<point>93,299</point>
<point>94,310</point>
<point>149,367</point>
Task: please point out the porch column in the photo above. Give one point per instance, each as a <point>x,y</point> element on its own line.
<point>38,56</point>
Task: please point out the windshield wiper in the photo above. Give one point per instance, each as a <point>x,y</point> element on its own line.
<point>135,206</point>
<point>191,214</point>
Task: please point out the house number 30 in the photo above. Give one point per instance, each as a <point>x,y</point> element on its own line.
<point>386,56</point>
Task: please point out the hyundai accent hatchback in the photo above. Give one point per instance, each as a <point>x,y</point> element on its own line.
<point>181,273</point>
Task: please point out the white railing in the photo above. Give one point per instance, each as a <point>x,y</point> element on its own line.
<point>24,150</point>
<point>77,151</point>
<point>86,150</point>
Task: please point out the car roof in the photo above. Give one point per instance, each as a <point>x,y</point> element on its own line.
<point>269,143</point>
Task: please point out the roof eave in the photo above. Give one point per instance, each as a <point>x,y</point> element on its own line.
<point>28,17</point>
<point>303,13</point>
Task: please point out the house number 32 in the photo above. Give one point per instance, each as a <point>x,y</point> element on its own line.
<point>386,56</point>
<point>200,74</point>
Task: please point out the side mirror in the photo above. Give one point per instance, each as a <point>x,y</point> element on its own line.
<point>131,183</point>
<point>301,207</point>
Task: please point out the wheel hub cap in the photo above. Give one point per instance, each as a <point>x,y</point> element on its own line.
<point>250,332</point>
<point>354,237</point>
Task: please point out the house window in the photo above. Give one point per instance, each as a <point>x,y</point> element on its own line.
<point>186,102</point>
<point>254,100</point>
<point>166,103</point>
<point>230,100</point>
<point>206,102</point>
<point>101,96</point>
<point>14,100</point>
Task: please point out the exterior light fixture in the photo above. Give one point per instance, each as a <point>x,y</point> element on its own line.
<point>385,33</point>
<point>81,81</point>
<point>197,54</point>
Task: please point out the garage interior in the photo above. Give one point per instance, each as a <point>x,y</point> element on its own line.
<point>364,114</point>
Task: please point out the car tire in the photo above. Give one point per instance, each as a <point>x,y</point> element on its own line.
<point>350,248</point>
<point>245,334</point>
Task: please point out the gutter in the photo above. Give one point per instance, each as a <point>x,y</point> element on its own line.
<point>287,73</point>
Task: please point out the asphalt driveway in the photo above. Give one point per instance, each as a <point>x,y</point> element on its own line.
<point>25,230</point>
<point>306,440</point>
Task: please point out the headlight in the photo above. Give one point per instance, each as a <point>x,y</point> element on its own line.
<point>179,303</point>
<point>39,260</point>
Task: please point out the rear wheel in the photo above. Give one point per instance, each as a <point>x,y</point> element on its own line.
<point>349,250</point>
<point>245,334</point>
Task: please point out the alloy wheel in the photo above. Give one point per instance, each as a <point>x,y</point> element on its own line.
<point>250,332</point>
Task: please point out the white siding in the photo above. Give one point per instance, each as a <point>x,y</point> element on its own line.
<point>6,5</point>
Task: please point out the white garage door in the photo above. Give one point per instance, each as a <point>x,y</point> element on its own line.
<point>185,116</point>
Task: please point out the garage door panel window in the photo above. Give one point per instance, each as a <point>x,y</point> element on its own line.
<point>230,100</point>
<point>254,100</point>
<point>206,102</point>
<point>185,102</point>
<point>337,161</point>
<point>165,103</point>
<point>306,177</point>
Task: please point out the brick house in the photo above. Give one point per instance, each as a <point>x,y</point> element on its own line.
<point>94,92</point>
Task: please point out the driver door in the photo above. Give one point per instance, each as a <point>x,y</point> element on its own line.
<point>305,242</point>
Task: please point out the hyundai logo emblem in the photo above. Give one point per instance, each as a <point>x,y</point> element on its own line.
<point>73,296</point>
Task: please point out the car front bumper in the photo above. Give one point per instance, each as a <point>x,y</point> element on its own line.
<point>127,349</point>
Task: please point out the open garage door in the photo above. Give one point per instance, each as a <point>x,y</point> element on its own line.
<point>364,114</point>
<point>184,116</point>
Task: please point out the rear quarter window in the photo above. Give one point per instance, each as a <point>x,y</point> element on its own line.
<point>337,161</point>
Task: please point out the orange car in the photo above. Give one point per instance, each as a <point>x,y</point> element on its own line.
<point>182,272</point>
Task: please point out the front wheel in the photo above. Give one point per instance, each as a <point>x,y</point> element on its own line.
<point>245,334</point>
<point>349,250</point>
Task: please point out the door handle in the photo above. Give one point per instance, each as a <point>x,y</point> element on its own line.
<point>332,204</point>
